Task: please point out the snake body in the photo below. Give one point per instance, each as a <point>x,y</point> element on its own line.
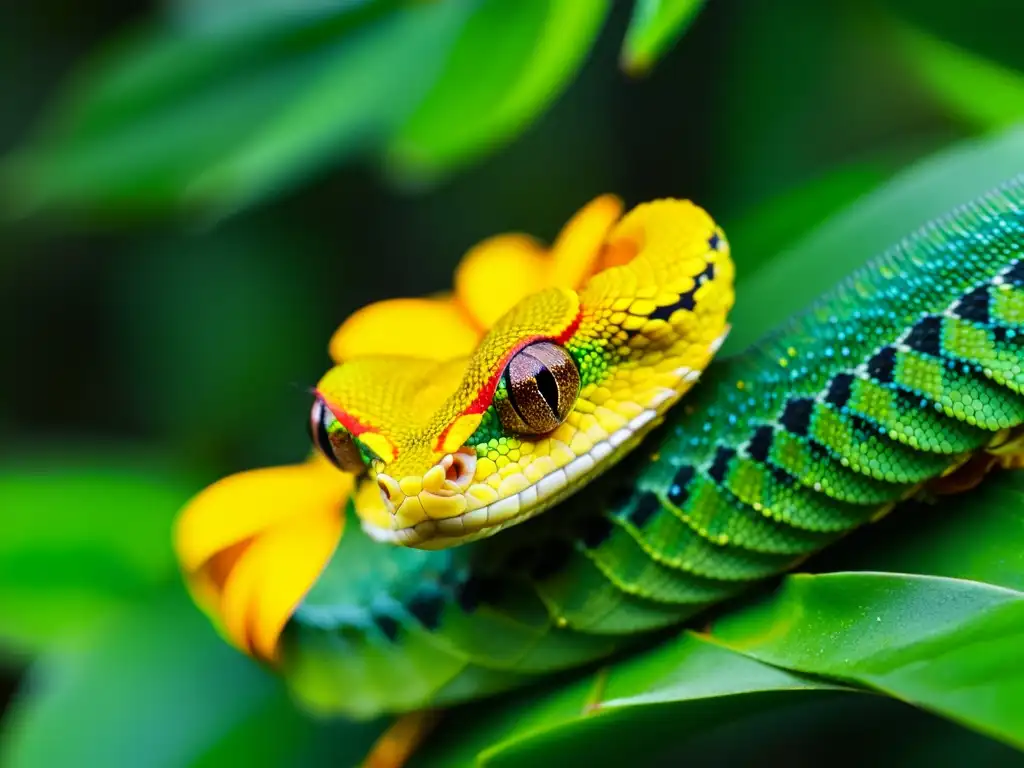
<point>896,378</point>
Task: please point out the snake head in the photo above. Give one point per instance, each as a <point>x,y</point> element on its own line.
<point>559,389</point>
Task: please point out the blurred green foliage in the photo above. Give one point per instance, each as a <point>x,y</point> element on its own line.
<point>197,193</point>
<point>942,645</point>
<point>79,538</point>
<point>216,112</point>
<point>654,27</point>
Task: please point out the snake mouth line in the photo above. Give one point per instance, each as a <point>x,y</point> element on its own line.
<point>477,523</point>
<point>543,494</point>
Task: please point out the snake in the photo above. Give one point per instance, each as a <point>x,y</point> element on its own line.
<point>593,473</point>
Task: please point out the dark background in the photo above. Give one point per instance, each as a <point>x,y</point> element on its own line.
<point>172,333</point>
<point>185,343</point>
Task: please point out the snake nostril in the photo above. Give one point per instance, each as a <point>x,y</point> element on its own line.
<point>461,470</point>
<point>384,489</point>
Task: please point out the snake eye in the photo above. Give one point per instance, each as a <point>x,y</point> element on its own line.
<point>542,383</point>
<point>333,440</point>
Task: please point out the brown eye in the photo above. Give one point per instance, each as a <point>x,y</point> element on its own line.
<point>542,382</point>
<point>333,440</point>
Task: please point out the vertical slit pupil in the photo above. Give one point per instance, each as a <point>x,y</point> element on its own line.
<point>542,383</point>
<point>548,388</point>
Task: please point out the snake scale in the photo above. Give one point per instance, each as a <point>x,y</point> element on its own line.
<point>904,374</point>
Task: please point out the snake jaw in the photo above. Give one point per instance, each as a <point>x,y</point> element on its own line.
<point>639,332</point>
<point>435,520</point>
<point>414,525</point>
<point>449,505</point>
<point>439,494</point>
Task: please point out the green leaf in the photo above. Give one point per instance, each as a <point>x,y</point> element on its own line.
<point>360,95</point>
<point>990,30</point>
<point>977,535</point>
<point>758,236</point>
<point>945,641</point>
<point>157,687</point>
<point>980,536</point>
<point>979,90</point>
<point>510,61</point>
<point>950,646</point>
<point>806,730</point>
<point>662,697</point>
<point>207,15</point>
<point>80,537</point>
<point>175,118</point>
<point>817,262</point>
<point>654,28</point>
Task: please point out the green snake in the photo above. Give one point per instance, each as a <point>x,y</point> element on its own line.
<point>907,374</point>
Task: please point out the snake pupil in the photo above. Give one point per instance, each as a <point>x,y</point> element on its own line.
<point>336,445</point>
<point>548,388</point>
<point>542,382</point>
